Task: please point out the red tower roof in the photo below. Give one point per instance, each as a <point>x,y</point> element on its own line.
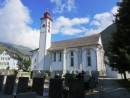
<point>46,15</point>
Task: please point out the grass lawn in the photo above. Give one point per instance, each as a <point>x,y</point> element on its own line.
<point>25,73</point>
<point>125,83</point>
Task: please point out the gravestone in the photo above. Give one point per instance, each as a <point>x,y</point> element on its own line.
<point>22,85</point>
<point>67,79</point>
<point>55,88</point>
<point>95,75</point>
<point>38,85</point>
<point>76,88</point>
<point>1,82</point>
<point>92,83</point>
<point>9,85</point>
<point>57,76</point>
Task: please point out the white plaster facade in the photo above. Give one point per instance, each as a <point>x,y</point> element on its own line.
<point>111,73</point>
<point>59,56</point>
<point>7,59</point>
<point>115,74</point>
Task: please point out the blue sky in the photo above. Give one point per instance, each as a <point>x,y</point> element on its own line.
<point>20,19</point>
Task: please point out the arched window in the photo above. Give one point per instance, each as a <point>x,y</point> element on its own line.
<point>60,56</point>
<point>54,57</point>
<point>88,55</point>
<point>71,58</point>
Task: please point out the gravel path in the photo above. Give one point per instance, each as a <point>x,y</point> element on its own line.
<point>109,88</point>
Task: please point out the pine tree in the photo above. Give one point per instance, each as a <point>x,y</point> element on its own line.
<point>119,52</point>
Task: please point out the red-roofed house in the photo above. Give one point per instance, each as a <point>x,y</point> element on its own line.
<point>9,58</point>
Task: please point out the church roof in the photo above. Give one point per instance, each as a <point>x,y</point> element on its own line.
<point>77,42</point>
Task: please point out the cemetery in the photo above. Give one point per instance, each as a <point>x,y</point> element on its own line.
<point>73,68</point>
<point>70,86</point>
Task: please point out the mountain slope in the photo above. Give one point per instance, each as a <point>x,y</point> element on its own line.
<point>106,36</point>
<point>22,51</point>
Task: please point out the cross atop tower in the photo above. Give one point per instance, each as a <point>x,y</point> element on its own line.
<point>47,9</point>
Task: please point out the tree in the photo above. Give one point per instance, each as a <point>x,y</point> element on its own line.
<point>119,50</point>
<point>26,63</point>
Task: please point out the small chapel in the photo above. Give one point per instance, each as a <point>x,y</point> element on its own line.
<point>78,54</point>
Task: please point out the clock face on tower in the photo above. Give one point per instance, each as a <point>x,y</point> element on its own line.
<point>43,26</point>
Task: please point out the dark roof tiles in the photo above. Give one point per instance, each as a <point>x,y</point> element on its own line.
<point>88,40</point>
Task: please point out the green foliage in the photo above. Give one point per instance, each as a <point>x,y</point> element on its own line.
<point>25,73</point>
<point>10,72</point>
<point>22,49</point>
<point>1,48</point>
<point>45,74</point>
<point>73,75</point>
<point>119,50</point>
<point>26,63</point>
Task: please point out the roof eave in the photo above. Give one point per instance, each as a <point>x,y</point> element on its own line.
<point>51,50</point>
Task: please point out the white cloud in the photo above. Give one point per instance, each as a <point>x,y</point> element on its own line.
<point>70,5</point>
<point>61,5</point>
<point>77,26</point>
<point>95,23</point>
<point>104,19</point>
<point>92,31</point>
<point>101,21</point>
<point>14,23</point>
<point>114,10</point>
<point>68,26</point>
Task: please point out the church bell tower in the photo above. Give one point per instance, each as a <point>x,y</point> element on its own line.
<point>45,39</point>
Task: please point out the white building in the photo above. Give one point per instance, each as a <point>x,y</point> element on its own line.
<point>9,58</point>
<point>85,53</point>
<point>112,73</point>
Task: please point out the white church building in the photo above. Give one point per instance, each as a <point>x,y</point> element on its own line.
<point>79,54</point>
